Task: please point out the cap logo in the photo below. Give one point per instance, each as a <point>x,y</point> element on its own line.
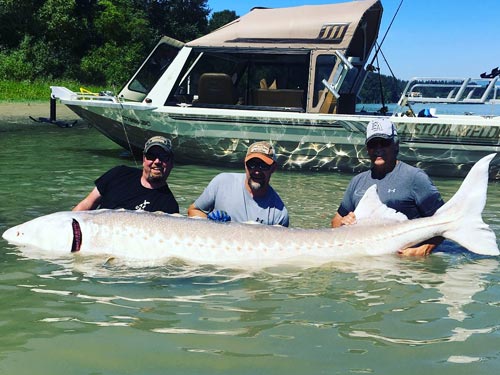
<point>376,127</point>
<point>260,148</point>
<point>160,141</point>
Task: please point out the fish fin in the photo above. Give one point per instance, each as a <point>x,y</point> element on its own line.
<point>466,206</point>
<point>370,208</point>
<point>109,261</point>
<point>249,222</point>
<point>173,215</point>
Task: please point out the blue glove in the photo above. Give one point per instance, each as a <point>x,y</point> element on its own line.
<point>220,216</point>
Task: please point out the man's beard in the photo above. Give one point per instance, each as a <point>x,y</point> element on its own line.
<point>255,185</point>
<point>155,178</point>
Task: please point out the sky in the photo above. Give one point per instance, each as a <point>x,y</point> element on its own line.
<point>428,38</point>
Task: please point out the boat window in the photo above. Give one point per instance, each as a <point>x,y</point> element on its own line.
<point>324,70</point>
<point>153,68</point>
<point>243,80</point>
<point>214,68</point>
<point>278,71</point>
<point>349,81</point>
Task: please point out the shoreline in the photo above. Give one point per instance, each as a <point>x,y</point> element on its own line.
<point>15,114</point>
<point>16,111</point>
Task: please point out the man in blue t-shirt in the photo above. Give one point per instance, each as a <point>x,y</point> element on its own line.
<point>400,186</point>
<point>244,197</point>
<point>133,189</point>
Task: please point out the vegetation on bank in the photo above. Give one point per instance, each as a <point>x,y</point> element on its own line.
<point>380,87</point>
<point>38,90</point>
<point>99,44</point>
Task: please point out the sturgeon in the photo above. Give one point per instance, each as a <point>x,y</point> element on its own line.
<point>145,236</point>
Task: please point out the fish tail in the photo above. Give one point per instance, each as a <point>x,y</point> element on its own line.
<point>466,206</point>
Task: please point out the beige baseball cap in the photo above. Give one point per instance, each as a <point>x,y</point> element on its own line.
<point>262,150</point>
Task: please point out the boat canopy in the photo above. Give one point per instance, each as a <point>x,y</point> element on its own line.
<point>307,59</point>
<point>351,25</point>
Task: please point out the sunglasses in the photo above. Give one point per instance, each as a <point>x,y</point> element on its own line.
<point>152,156</point>
<point>379,142</point>
<point>252,165</point>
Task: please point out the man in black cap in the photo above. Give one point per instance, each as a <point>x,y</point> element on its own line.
<point>133,189</point>
<point>400,186</point>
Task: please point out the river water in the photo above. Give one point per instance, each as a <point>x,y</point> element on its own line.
<point>386,315</point>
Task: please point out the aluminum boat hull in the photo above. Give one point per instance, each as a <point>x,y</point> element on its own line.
<point>447,146</point>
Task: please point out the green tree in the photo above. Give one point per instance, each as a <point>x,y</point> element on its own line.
<point>376,86</point>
<point>221,18</point>
<point>16,21</point>
<point>94,41</point>
<point>61,39</point>
<point>183,20</point>
<point>50,41</point>
<point>121,31</point>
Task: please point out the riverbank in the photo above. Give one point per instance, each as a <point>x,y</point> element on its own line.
<point>17,113</point>
<point>21,110</point>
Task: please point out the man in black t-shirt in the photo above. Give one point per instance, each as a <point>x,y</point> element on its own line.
<point>133,189</point>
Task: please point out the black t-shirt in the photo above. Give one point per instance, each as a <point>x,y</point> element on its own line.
<point>121,187</point>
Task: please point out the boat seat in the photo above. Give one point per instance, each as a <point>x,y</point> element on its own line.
<point>278,97</point>
<point>329,104</point>
<point>216,88</point>
<point>263,84</point>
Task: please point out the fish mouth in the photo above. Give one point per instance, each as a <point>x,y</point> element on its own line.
<point>77,236</point>
<point>10,234</point>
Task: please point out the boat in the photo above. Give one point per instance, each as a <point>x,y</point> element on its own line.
<point>291,76</point>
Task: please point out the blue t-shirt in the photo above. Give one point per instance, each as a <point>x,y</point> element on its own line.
<point>406,189</point>
<point>227,192</point>
<point>121,187</point>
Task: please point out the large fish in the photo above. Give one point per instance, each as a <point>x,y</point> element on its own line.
<point>136,235</point>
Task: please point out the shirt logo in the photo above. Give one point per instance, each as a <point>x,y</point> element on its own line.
<point>391,190</point>
<point>143,205</point>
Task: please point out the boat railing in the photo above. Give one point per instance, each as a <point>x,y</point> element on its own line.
<point>62,93</point>
<point>451,90</point>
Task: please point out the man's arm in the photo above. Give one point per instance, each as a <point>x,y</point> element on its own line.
<point>90,202</point>
<point>193,211</point>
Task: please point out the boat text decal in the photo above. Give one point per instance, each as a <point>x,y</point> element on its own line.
<point>448,130</point>
<point>136,121</point>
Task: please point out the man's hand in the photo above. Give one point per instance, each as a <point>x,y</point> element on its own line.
<point>220,216</point>
<point>422,250</point>
<point>348,219</point>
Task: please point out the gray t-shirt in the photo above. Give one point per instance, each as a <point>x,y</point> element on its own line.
<point>227,192</point>
<point>406,189</point>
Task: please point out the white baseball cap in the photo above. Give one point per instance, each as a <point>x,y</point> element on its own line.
<point>380,128</point>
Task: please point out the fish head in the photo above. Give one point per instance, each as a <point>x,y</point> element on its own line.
<point>51,232</point>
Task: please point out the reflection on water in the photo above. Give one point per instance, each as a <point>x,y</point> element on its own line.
<point>386,315</point>
<point>457,283</point>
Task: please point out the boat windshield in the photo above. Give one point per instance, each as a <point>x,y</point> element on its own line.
<point>153,68</point>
